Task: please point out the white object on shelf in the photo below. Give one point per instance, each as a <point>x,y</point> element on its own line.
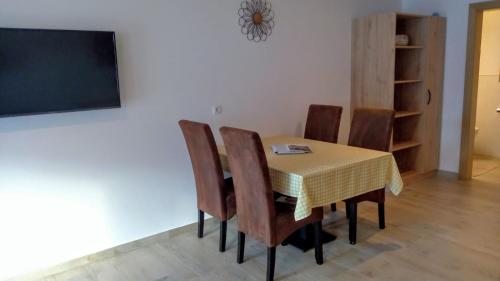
<point>402,40</point>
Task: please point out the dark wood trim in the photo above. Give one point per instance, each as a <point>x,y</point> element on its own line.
<point>304,238</point>
<point>381,215</point>
<point>271,262</point>
<point>241,248</point>
<point>353,221</point>
<point>318,242</point>
<point>333,207</point>
<point>201,223</point>
<point>222,238</point>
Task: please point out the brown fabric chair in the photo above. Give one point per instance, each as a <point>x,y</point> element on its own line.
<point>323,123</point>
<point>258,214</point>
<point>371,129</point>
<point>215,195</point>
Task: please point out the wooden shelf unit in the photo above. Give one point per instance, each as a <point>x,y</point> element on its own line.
<point>407,81</point>
<point>409,173</point>
<point>404,145</point>
<point>409,47</point>
<point>399,77</point>
<point>403,114</point>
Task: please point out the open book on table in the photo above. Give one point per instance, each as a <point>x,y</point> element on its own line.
<point>290,149</point>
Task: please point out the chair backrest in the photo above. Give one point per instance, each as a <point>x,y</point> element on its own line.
<point>252,183</point>
<point>207,168</point>
<point>323,123</point>
<point>372,128</point>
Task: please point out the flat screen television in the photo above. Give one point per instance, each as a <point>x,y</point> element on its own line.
<point>47,71</point>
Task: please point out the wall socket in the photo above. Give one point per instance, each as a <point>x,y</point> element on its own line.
<point>217,109</point>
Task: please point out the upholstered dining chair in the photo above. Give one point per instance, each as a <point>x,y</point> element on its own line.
<point>371,129</point>
<point>215,195</point>
<point>259,216</point>
<point>323,123</point>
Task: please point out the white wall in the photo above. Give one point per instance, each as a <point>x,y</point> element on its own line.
<point>490,44</point>
<point>75,183</point>
<point>456,11</point>
<point>488,119</point>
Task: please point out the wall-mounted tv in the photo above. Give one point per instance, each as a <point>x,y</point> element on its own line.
<point>47,71</point>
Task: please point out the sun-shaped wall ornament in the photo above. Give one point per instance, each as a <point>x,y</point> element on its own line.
<point>256,19</point>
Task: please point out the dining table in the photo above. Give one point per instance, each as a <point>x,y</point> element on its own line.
<point>329,174</point>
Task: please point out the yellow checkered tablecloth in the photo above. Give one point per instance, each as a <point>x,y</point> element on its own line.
<point>330,174</point>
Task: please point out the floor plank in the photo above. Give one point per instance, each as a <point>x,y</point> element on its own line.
<point>438,229</point>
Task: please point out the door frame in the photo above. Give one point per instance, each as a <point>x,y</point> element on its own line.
<point>476,11</point>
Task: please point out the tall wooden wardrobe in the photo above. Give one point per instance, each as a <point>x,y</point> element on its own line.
<point>408,79</point>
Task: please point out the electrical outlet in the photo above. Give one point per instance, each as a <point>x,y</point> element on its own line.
<point>217,109</point>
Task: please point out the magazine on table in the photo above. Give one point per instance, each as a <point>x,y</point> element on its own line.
<point>290,149</point>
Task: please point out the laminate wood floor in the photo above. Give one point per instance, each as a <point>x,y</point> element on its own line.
<point>438,229</point>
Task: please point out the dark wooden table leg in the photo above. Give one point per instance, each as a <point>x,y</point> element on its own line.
<point>381,216</point>
<point>271,261</point>
<point>241,247</point>
<point>222,238</point>
<point>353,221</point>
<point>201,223</point>
<point>318,242</point>
<point>304,238</point>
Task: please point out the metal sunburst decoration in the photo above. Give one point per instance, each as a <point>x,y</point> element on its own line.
<point>256,19</point>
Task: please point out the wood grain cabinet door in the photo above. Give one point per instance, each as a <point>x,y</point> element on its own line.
<point>373,56</point>
<point>434,49</point>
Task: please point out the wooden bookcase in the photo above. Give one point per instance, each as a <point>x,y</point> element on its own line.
<point>408,79</point>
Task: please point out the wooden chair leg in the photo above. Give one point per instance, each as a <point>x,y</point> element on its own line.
<point>333,207</point>
<point>347,209</point>
<point>353,217</point>
<point>241,247</point>
<point>318,242</point>
<point>201,223</point>
<point>222,238</point>
<point>271,261</point>
<point>381,215</point>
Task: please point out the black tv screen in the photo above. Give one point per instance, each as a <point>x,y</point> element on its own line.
<point>46,71</point>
